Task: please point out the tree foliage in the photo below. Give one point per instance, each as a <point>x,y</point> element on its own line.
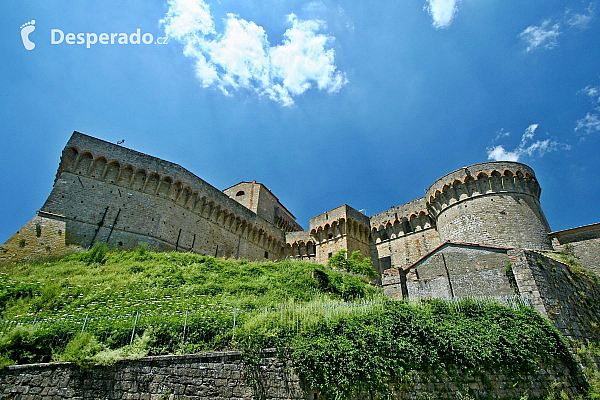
<point>356,263</point>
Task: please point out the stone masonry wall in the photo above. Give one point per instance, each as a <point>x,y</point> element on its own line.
<point>453,270</point>
<point>215,376</point>
<point>406,249</point>
<point>583,243</point>
<point>570,299</point>
<point>223,376</point>
<point>39,237</point>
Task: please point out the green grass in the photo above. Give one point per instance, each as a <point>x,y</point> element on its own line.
<point>189,302</point>
<point>121,283</point>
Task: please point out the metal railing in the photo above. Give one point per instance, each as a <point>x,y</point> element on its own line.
<point>183,326</point>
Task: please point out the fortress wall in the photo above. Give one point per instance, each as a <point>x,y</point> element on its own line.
<point>583,243</point>
<point>106,192</point>
<point>406,249</point>
<point>137,217</point>
<point>570,300</point>
<point>397,213</point>
<point>85,155</point>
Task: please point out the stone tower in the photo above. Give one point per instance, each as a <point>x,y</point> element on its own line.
<point>494,203</point>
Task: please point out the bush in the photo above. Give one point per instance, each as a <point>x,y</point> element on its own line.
<point>82,350</point>
<point>356,263</point>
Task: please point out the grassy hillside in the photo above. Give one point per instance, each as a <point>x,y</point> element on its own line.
<point>101,282</point>
<point>343,337</point>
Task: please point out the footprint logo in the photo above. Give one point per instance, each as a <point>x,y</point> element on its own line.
<point>26,29</point>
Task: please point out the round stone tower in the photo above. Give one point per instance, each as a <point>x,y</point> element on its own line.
<point>493,203</point>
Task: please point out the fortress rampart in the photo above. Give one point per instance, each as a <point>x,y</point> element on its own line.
<point>108,193</point>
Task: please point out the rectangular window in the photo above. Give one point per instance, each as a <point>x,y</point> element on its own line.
<point>266,254</point>
<point>329,255</point>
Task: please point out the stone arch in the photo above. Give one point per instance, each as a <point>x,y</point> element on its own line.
<point>310,248</point>
<point>446,195</point>
<point>164,186</point>
<point>199,205</point>
<point>496,181</point>
<point>152,183</point>
<point>220,218</point>
<point>242,227</point>
<point>375,235</point>
<point>460,190</point>
<point>232,221</point>
<point>125,176</point>
<point>508,180</point>
<point>175,190</point>
<point>471,186</point>
<point>68,159</point>
<point>327,232</point>
<point>215,212</point>
<point>519,180</point>
<point>406,227</point>
<point>112,171</point>
<point>320,234</point>
<point>97,167</point>
<point>184,195</point>
<point>139,179</point>
<point>413,219</point>
<point>424,219</point>
<point>84,163</point>
<point>389,228</point>
<point>254,235</point>
<point>483,182</point>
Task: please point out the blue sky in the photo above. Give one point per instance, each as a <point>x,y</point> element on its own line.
<point>364,103</point>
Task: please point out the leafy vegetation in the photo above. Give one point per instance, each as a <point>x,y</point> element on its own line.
<point>354,263</point>
<point>342,336</point>
<point>188,301</point>
<point>341,359</point>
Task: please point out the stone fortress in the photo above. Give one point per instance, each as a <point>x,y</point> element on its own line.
<point>478,231</point>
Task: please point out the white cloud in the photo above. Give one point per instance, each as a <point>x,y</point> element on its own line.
<point>590,123</point>
<point>497,153</point>
<point>526,147</point>
<point>501,134</point>
<point>442,11</point>
<point>593,92</point>
<point>581,21</point>
<point>241,57</point>
<point>545,36</point>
